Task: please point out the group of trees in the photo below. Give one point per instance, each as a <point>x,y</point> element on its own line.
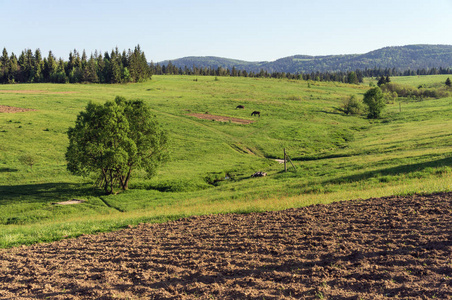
<point>113,67</point>
<point>170,69</point>
<point>132,66</point>
<point>374,100</point>
<point>386,91</point>
<point>421,92</point>
<point>353,77</point>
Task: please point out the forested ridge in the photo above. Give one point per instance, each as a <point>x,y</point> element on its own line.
<point>113,67</point>
<point>402,60</point>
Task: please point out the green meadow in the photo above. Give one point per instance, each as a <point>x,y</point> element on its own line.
<point>336,156</point>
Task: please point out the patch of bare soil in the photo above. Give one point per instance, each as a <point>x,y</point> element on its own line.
<point>221,118</point>
<point>70,202</point>
<point>393,247</point>
<point>12,109</point>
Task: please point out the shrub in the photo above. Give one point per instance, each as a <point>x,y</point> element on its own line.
<point>351,106</point>
<point>294,97</point>
<point>28,160</point>
<point>411,92</point>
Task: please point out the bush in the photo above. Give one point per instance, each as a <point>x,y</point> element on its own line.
<point>352,106</point>
<point>294,97</point>
<point>390,97</point>
<point>28,160</point>
<point>411,92</point>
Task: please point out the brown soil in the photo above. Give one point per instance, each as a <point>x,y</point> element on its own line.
<point>382,248</point>
<point>12,109</point>
<point>221,118</point>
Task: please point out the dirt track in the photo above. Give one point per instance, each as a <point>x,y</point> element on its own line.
<point>371,249</point>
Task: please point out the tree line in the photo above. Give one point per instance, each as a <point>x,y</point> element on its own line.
<point>113,67</point>
<point>170,69</point>
<point>352,77</point>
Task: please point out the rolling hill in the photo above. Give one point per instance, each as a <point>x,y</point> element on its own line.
<point>401,57</point>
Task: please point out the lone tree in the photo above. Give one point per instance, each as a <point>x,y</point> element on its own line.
<point>373,98</point>
<point>448,83</point>
<point>382,81</point>
<point>112,140</point>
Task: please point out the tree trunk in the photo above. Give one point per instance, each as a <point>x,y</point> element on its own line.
<point>125,180</point>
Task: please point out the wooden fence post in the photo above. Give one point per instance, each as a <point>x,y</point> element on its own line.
<point>285,159</point>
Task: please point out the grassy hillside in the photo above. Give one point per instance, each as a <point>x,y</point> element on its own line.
<point>337,157</point>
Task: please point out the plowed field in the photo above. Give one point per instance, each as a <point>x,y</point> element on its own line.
<point>394,247</point>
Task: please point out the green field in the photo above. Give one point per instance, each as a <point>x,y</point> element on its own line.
<point>337,157</point>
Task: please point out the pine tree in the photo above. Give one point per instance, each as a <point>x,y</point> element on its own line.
<point>100,68</point>
<point>115,71</point>
<point>13,68</point>
<point>50,67</point>
<point>84,60</point>
<point>448,83</point>
<point>381,81</point>
<point>38,66</point>
<point>70,68</point>
<point>352,78</point>
<point>4,59</point>
<point>59,76</point>
<point>90,72</point>
<point>4,63</point>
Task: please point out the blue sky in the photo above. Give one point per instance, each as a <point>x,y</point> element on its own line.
<point>252,30</point>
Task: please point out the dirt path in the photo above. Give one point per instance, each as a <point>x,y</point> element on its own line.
<point>372,249</point>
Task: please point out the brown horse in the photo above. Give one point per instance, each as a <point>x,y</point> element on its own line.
<point>254,113</point>
<point>240,106</point>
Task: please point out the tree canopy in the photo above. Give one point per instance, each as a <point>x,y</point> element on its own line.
<point>112,140</point>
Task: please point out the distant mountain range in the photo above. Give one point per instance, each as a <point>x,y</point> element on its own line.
<point>412,57</point>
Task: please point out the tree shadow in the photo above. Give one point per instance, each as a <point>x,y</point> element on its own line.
<point>326,156</point>
<point>45,192</point>
<point>331,112</point>
<point>8,170</point>
<point>404,169</point>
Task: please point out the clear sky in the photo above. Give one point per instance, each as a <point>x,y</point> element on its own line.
<point>251,30</point>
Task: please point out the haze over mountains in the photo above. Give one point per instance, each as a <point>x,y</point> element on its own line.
<point>410,57</point>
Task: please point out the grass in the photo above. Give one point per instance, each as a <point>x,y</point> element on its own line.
<point>337,157</point>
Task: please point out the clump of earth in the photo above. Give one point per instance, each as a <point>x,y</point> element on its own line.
<point>392,247</point>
